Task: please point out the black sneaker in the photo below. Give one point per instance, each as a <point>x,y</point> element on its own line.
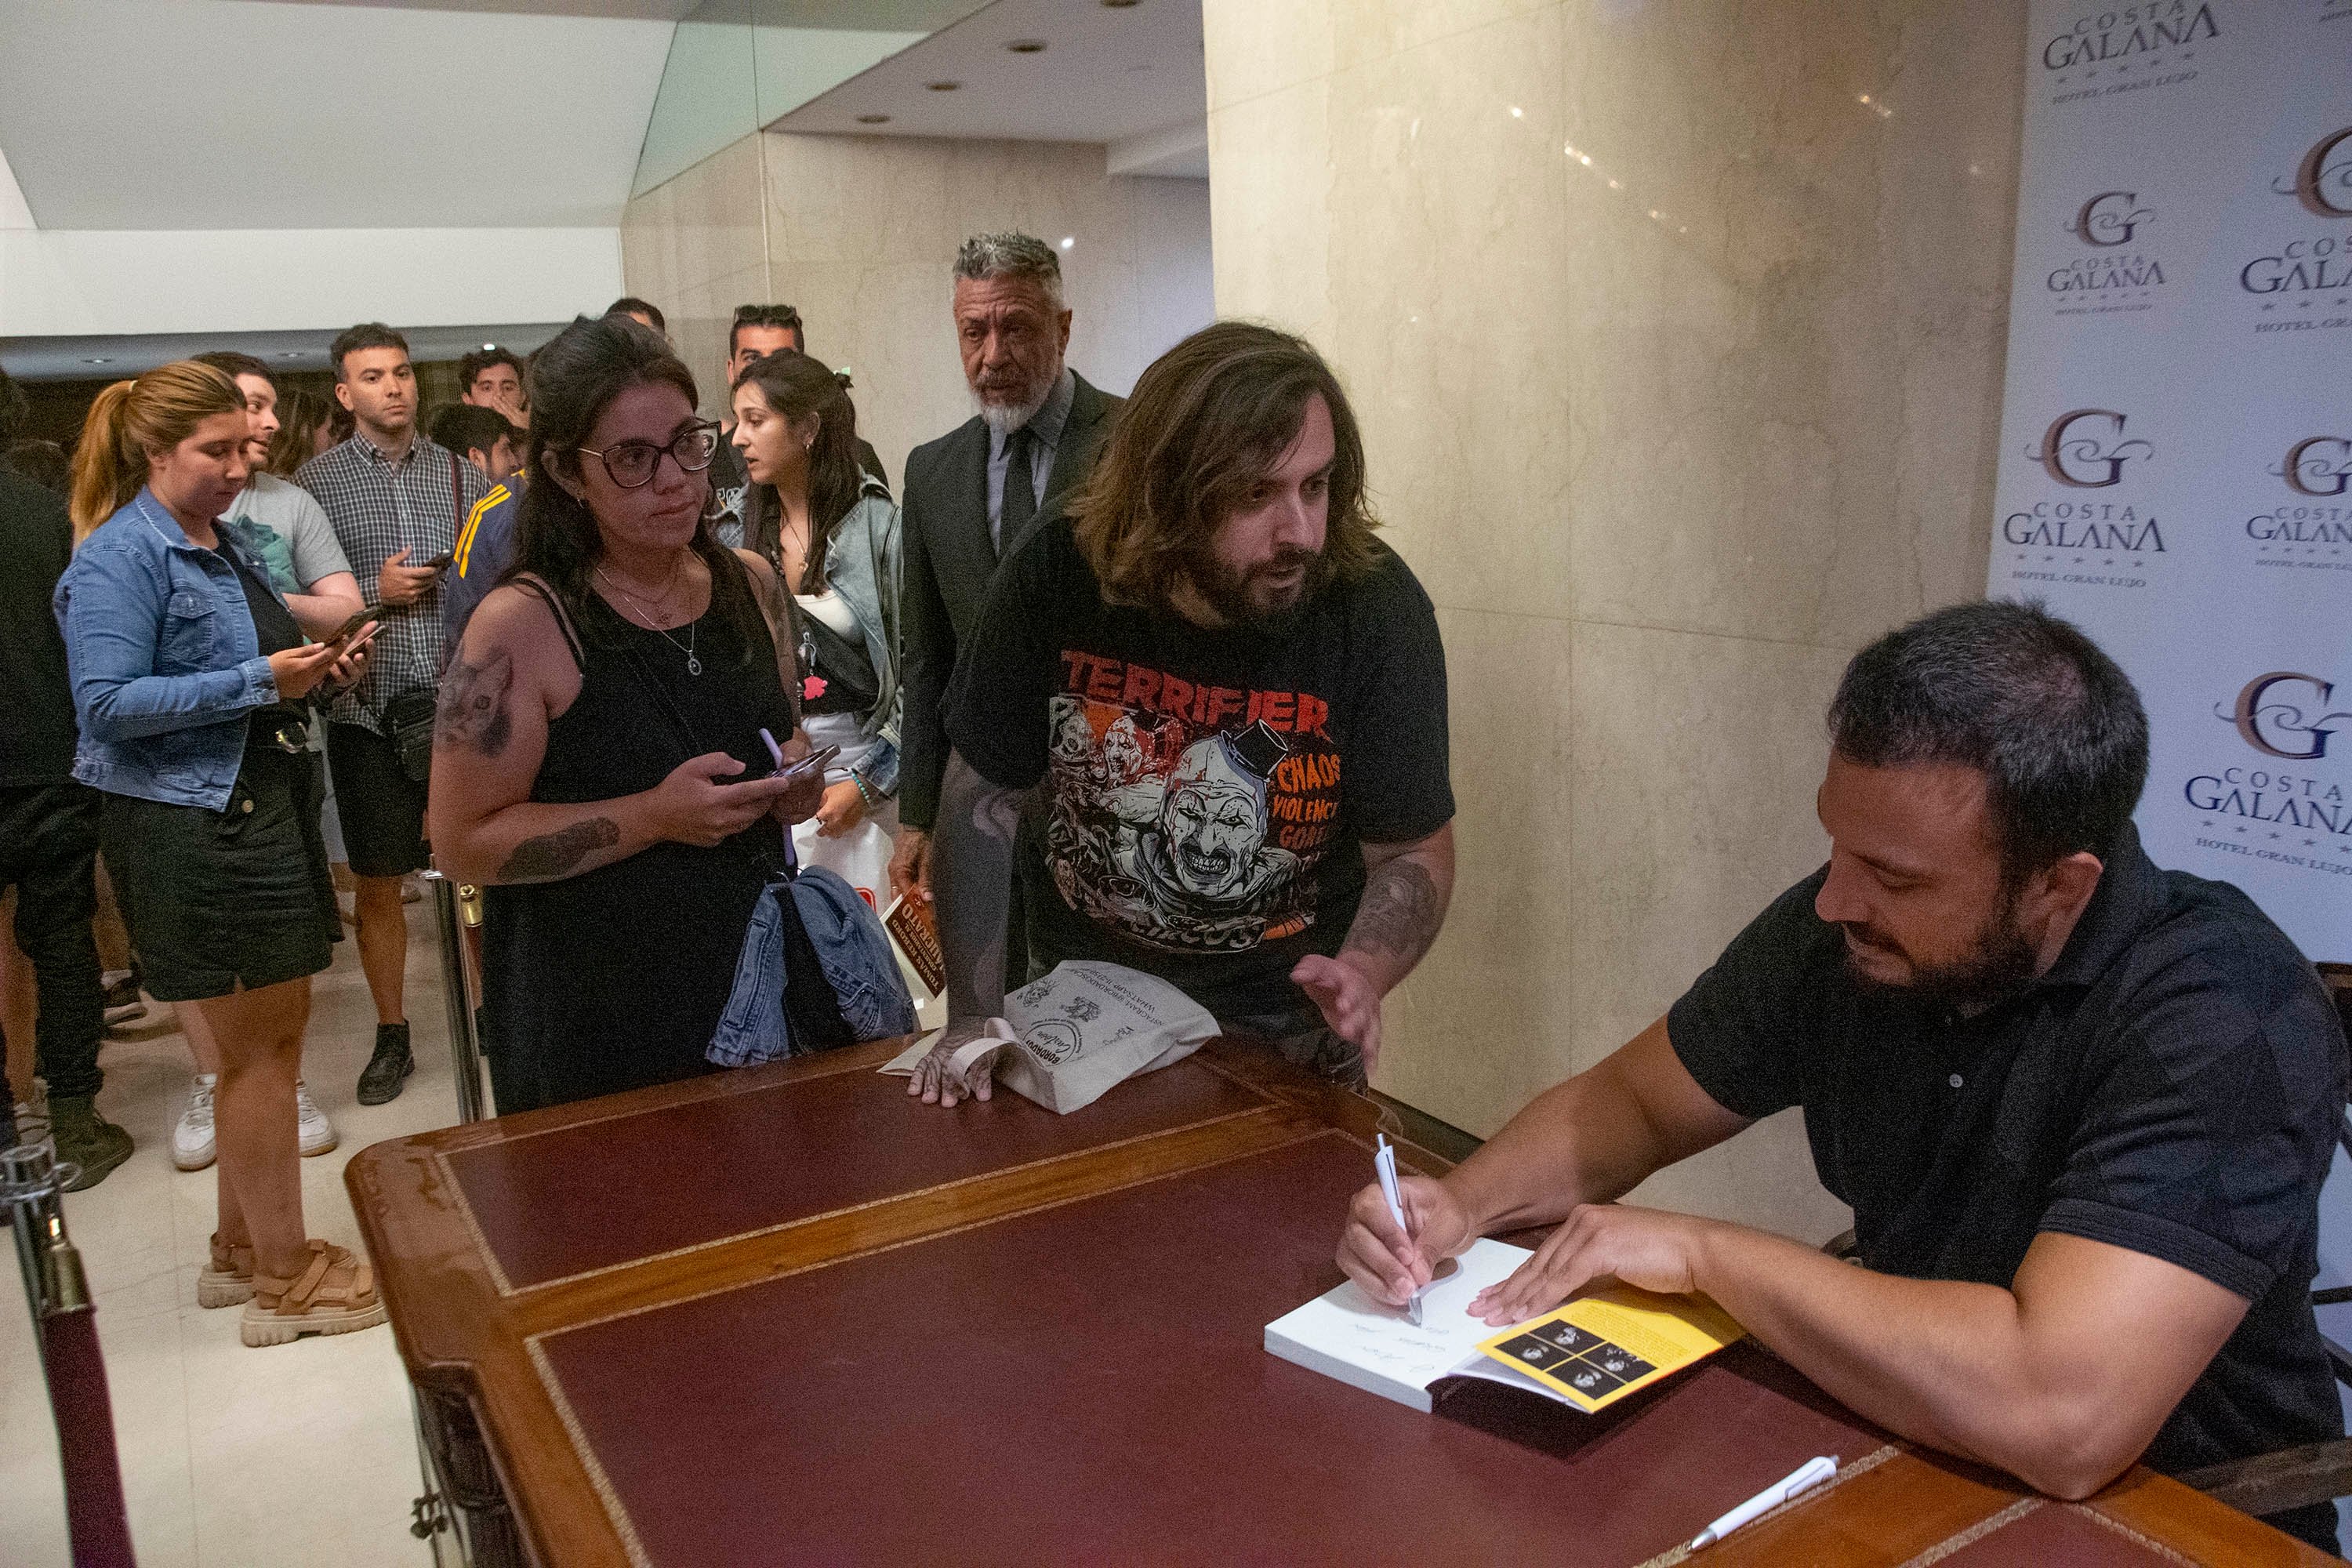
<point>380,1081</point>
<point>85,1138</point>
<point>119,997</point>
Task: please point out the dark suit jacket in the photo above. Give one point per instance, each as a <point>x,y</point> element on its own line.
<point>949,563</point>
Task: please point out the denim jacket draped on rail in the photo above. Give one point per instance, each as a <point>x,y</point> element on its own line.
<point>164,656</point>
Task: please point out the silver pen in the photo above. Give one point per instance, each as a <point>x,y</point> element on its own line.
<point>1384,1166</point>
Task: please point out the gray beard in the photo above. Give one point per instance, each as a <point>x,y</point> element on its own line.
<point>1003,418</point>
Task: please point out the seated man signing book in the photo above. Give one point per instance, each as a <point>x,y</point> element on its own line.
<point>2080,1107</point>
<point>1207,708</point>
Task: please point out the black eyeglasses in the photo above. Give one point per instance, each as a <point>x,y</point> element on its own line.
<point>631,464</point>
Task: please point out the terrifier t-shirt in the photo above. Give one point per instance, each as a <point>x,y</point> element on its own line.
<point>1206,791</point>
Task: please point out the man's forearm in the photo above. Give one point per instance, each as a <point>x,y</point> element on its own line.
<point>971,878</point>
<point>1581,1142</point>
<point>1406,891</point>
<point>1941,1362</point>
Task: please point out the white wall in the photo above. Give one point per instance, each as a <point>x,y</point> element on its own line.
<point>67,283</point>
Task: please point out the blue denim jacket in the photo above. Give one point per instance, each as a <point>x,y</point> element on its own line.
<point>164,660</point>
<point>862,565</point>
<point>852,949</point>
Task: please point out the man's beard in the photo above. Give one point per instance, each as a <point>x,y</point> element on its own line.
<point>2001,958</point>
<point>1003,418</point>
<point>1228,592</point>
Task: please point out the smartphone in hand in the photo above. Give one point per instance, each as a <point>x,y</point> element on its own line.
<point>359,618</point>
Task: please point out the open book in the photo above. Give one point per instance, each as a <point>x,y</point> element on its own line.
<point>1587,1354</point>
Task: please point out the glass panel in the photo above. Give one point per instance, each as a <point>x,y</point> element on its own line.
<point>737,64</point>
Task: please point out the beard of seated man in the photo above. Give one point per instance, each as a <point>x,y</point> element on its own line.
<point>1999,958</point>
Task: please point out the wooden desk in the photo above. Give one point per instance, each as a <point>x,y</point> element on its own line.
<point>782,1315</point>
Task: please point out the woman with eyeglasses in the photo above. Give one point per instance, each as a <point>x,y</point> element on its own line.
<point>598,766</point>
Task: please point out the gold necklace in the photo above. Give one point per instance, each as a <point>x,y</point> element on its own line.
<point>693,664</point>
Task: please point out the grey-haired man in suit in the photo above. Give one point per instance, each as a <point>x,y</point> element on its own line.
<point>972,496</point>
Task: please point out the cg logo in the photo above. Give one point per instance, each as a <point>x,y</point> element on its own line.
<point>2083,460</point>
<point>2109,219</point>
<point>2322,181</point>
<point>2318,466</point>
<point>2278,727</point>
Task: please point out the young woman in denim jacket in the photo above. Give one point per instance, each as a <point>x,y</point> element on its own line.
<point>836,545</point>
<point>190,678</point>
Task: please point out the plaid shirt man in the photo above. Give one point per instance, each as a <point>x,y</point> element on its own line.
<point>380,505</point>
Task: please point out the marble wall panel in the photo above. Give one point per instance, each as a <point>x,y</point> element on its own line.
<point>700,316</point>
<point>1691,807</point>
<point>1710,400</point>
<point>1484,1024</point>
<point>697,228</point>
<point>862,232</point>
<point>1448,312</point>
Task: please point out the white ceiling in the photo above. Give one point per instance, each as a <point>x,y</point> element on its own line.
<point>1109,74</point>
<point>298,114</point>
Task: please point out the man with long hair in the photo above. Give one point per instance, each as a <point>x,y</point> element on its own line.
<point>1232,700</point>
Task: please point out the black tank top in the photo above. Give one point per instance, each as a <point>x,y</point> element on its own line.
<point>615,978</point>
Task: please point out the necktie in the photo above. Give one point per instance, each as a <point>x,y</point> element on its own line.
<point>1020,490</point>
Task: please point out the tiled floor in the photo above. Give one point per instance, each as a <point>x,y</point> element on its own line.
<point>299,1455</point>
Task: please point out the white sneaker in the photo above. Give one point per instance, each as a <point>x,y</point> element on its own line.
<point>192,1140</point>
<point>317,1134</point>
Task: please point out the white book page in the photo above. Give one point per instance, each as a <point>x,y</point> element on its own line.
<point>1346,1334</point>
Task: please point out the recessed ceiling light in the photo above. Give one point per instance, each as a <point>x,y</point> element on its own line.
<point>1027,46</point>
<point>942,86</point>
<point>1118,5</point>
<point>289,354</point>
<point>872,120</point>
<point>1068,240</point>
<point>99,359</point>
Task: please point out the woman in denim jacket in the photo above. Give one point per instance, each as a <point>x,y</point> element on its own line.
<point>190,678</point>
<point>836,545</point>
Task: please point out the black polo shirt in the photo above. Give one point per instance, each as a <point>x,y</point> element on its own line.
<point>2173,1084</point>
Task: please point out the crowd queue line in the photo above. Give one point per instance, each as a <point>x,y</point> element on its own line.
<point>1127,679</point>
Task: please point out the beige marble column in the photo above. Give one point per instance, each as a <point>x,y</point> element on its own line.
<point>1675,330</point>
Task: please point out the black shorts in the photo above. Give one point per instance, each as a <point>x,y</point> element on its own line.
<point>220,900</point>
<point>381,807</point>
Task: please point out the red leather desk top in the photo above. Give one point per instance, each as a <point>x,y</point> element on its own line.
<point>1013,1337</point>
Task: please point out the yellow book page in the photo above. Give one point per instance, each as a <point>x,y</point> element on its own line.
<point>1600,1348</point>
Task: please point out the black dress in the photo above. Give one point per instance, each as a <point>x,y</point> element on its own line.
<point>615,978</point>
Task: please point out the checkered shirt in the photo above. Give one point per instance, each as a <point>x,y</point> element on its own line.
<point>378,508</point>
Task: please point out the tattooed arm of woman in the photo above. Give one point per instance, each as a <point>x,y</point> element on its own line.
<point>512,676</point>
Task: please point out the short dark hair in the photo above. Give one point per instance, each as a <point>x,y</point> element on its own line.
<point>16,408</point>
<point>464,427</point>
<point>781,316</point>
<point>2022,697</point>
<point>476,360</point>
<point>366,335</point>
<point>630,305</point>
<point>1207,421</point>
<point>232,364</point>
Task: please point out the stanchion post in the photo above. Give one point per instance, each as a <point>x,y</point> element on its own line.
<point>465,1051</point>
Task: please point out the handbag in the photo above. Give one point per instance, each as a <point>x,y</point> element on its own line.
<point>408,722</point>
<point>408,719</point>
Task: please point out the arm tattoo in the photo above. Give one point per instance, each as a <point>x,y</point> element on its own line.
<point>553,856</point>
<point>473,711</point>
<point>973,875</point>
<point>1398,914</point>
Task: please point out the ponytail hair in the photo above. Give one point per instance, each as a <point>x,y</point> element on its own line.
<point>154,412</point>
